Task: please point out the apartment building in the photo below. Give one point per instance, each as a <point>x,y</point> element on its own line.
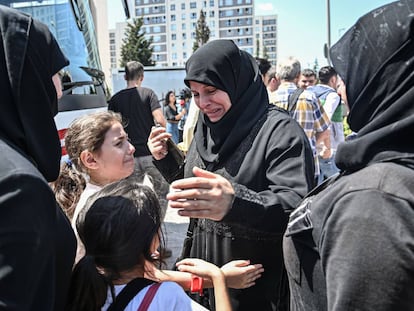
<point>172,24</point>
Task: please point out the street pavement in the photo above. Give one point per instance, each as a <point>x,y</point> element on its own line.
<point>175,230</point>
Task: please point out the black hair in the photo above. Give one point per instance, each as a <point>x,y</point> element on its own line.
<point>185,94</point>
<point>307,72</point>
<point>326,73</point>
<point>117,226</point>
<point>167,97</point>
<point>264,65</point>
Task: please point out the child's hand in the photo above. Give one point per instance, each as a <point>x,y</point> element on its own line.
<point>241,274</point>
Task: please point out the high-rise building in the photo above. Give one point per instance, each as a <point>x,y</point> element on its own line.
<point>266,38</point>
<point>172,25</point>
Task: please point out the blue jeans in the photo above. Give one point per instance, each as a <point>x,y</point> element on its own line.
<point>172,128</point>
<point>327,168</point>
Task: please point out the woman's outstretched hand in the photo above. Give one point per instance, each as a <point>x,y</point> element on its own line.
<point>207,195</point>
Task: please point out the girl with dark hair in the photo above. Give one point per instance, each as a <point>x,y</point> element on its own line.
<point>120,227</point>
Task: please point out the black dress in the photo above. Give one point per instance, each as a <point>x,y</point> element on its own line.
<point>37,244</point>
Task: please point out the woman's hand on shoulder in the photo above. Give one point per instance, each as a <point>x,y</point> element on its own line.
<point>241,274</point>
<point>157,142</point>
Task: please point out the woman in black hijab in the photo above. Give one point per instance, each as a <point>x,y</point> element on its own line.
<point>37,245</point>
<point>350,246</point>
<point>248,166</point>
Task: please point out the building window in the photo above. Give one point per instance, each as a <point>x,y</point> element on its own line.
<point>173,17</point>
<point>193,15</point>
<point>211,3</point>
<point>183,26</point>
<point>193,5</point>
<point>173,36</point>
<point>182,6</point>
<point>172,7</point>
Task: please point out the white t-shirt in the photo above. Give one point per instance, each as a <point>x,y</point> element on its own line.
<point>169,297</point>
<point>86,193</point>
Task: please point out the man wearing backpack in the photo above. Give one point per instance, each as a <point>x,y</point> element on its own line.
<point>329,99</point>
<point>304,107</point>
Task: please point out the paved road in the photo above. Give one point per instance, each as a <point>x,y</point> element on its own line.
<point>175,230</point>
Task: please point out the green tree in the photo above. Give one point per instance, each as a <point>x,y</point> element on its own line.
<point>265,55</point>
<point>202,34</point>
<point>316,66</point>
<point>135,46</point>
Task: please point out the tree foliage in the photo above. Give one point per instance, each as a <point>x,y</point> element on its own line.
<point>202,34</point>
<point>135,46</point>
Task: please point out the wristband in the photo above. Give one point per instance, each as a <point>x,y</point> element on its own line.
<point>196,285</point>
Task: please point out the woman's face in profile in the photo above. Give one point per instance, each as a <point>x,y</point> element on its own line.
<point>214,103</point>
<point>172,98</point>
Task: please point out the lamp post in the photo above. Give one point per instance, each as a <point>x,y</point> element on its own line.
<point>328,26</point>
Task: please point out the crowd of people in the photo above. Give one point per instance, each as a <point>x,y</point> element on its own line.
<point>285,213</point>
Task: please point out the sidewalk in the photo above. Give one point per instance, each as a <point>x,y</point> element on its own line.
<point>175,230</point>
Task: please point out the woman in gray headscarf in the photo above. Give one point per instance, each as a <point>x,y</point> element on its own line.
<point>349,245</point>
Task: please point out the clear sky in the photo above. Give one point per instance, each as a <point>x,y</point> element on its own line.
<point>302,24</point>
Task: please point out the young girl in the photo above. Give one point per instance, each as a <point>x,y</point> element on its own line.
<point>120,227</point>
<point>99,153</point>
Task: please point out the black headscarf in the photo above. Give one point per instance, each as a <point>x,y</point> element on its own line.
<point>376,60</point>
<point>221,64</point>
<point>27,62</point>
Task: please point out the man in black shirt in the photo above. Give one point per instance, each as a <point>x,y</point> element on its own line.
<point>141,110</point>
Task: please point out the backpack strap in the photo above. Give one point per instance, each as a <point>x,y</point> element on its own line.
<point>128,293</point>
<point>149,295</point>
<point>293,99</point>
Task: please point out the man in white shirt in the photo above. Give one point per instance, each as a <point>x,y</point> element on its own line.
<point>331,102</point>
